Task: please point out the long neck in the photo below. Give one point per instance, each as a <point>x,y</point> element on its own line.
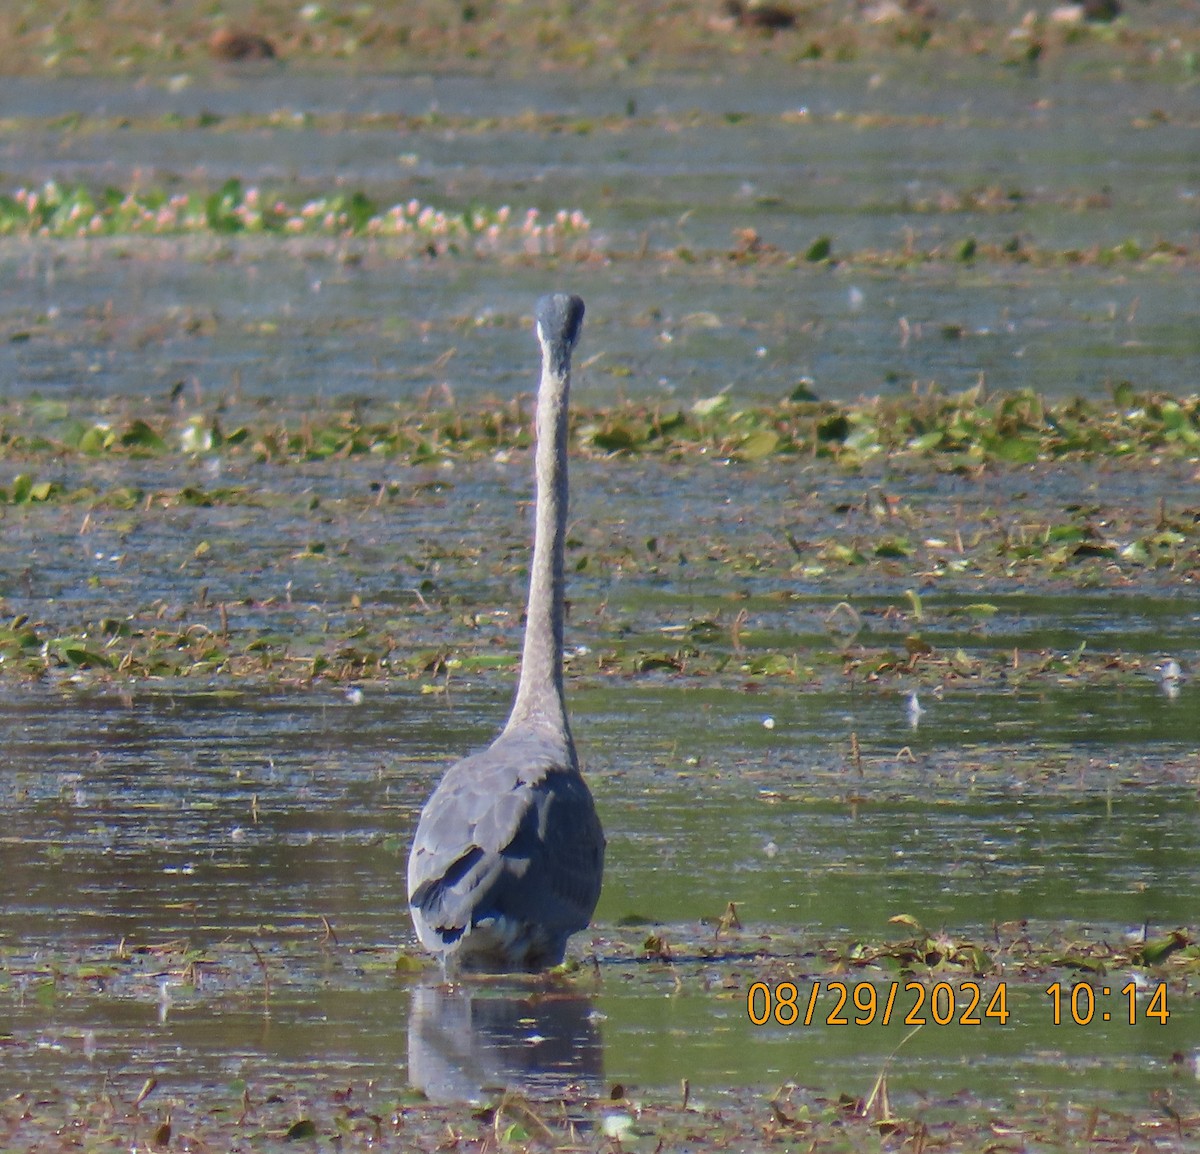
<point>539,697</point>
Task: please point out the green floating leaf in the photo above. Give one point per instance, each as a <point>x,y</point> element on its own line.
<point>758,445</point>
<point>359,208</point>
<point>1157,949</point>
<point>834,428</point>
<point>819,250</point>
<point>911,922</point>
<point>769,665</point>
<point>1016,450</point>
<point>617,438</point>
<point>926,442</point>
<point>473,662</point>
<point>45,992</point>
<point>646,662</point>
<point>962,663</point>
<point>25,490</point>
<point>96,439</point>
<point>1066,534</point>
<point>846,554</point>
<point>79,656</point>
<point>893,547</point>
<point>140,435</point>
<point>708,406</point>
<point>125,498</point>
<point>305,1128</point>
<point>1124,396</point>
<point>44,410</point>
<point>220,208</point>
<point>1075,961</point>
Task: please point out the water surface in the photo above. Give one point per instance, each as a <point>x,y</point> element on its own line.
<point>159,831</point>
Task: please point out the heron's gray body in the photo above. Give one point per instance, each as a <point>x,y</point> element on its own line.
<point>508,857</point>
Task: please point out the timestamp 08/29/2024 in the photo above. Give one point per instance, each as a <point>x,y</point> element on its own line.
<point>837,1003</point>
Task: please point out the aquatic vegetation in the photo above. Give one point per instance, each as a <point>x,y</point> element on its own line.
<point>962,431</point>
<point>769,607</point>
<point>25,489</point>
<point>75,211</point>
<point>239,209</point>
<point>893,539</point>
<point>262,975</point>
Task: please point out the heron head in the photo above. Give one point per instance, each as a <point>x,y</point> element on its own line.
<point>559,320</point>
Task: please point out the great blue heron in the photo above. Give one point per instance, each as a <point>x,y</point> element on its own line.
<point>509,854</point>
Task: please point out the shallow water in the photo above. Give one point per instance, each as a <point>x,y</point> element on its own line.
<point>874,161</point>
<point>152,816</point>
<point>307,324</point>
<point>226,817</point>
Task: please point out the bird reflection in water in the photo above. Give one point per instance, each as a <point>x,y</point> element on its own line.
<point>1169,674</point>
<point>467,1042</point>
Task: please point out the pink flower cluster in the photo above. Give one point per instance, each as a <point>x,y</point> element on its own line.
<point>53,211</point>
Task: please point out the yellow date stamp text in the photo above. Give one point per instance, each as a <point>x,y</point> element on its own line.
<point>838,1003</point>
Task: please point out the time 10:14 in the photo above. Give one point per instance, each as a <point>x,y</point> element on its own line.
<point>1083,1002</point>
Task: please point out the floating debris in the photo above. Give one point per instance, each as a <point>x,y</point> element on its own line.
<point>913,710</point>
<point>761,16</point>
<point>237,44</point>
